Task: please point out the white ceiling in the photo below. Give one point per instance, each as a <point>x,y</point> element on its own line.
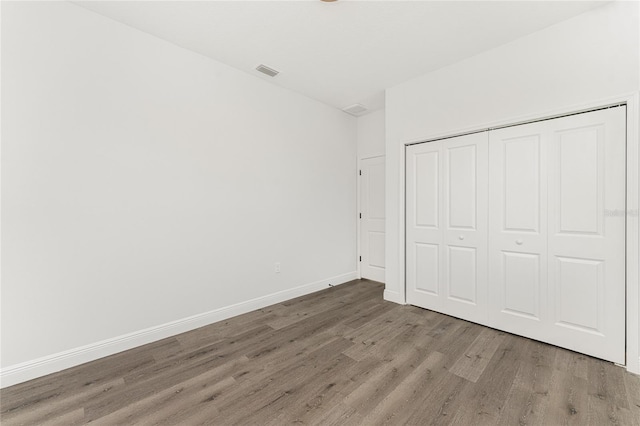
<point>344,52</point>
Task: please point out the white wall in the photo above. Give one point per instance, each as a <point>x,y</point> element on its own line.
<point>585,59</point>
<point>371,134</point>
<point>143,184</point>
<point>592,56</point>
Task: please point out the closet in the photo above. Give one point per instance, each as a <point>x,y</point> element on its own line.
<point>522,229</point>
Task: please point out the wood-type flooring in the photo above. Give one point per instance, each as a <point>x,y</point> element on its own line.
<point>341,356</point>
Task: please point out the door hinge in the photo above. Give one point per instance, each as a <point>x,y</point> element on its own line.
<point>360,258</point>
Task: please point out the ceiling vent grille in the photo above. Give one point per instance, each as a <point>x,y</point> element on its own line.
<point>355,109</point>
<point>266,70</point>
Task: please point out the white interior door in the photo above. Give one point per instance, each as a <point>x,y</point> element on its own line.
<point>447,226</point>
<point>372,218</point>
<point>556,238</point>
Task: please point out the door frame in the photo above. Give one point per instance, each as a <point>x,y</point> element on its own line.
<point>358,208</point>
<point>632,258</point>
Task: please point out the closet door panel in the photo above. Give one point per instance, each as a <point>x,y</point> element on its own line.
<point>462,273</point>
<point>424,225</point>
<point>517,221</point>
<point>461,179</point>
<point>465,233</point>
<point>427,268</point>
<point>446,184</point>
<point>586,241</point>
<point>520,289</point>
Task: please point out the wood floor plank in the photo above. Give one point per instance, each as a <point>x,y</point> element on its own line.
<point>369,316</point>
<point>488,396</point>
<point>529,397</point>
<point>568,399</point>
<point>368,330</point>
<point>169,404</point>
<point>85,378</point>
<point>287,315</point>
<point>601,412</point>
<point>226,329</point>
<point>439,407</point>
<point>575,362</point>
<point>632,386</point>
<point>365,345</point>
<point>338,415</point>
<point>161,375</point>
<point>389,374</point>
<point>173,399</point>
<point>452,336</point>
<point>400,402</point>
<point>327,394</point>
<point>608,398</point>
<point>64,405</point>
<point>313,324</point>
<point>341,356</point>
<point>406,333</point>
<point>472,363</point>
<point>312,394</point>
<point>260,369</point>
<point>606,383</point>
<point>270,397</point>
<point>74,417</point>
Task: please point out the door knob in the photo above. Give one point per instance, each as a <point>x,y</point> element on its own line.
<point>461,237</point>
<point>519,242</point>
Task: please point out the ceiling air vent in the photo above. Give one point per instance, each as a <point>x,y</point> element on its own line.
<point>266,70</point>
<point>355,109</point>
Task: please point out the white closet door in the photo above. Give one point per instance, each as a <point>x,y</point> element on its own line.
<point>518,229</point>
<point>424,228</point>
<point>556,269</point>
<point>587,245</point>
<point>447,226</point>
<point>372,219</point>
<point>555,248</point>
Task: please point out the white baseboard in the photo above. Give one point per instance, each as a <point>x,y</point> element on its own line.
<point>392,296</point>
<point>22,372</point>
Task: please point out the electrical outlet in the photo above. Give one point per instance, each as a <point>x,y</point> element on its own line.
<point>276,268</point>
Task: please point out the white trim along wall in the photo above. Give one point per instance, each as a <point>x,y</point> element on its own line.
<point>51,363</point>
<point>633,234</point>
